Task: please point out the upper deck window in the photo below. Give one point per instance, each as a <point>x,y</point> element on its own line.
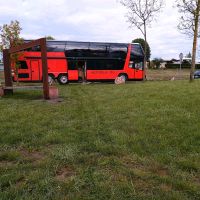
<point>76,49</point>
<point>118,51</point>
<point>55,46</point>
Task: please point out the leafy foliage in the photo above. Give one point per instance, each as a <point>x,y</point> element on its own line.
<point>10,35</point>
<point>142,42</point>
<point>49,37</point>
<point>156,62</point>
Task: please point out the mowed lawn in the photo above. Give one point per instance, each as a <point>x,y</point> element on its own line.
<point>103,141</point>
<point>168,74</point>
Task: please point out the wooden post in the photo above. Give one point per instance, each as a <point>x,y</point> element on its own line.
<point>44,68</point>
<point>7,72</point>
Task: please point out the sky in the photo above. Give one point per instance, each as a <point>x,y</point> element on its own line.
<point>95,20</point>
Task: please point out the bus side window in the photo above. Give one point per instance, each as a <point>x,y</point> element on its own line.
<point>22,65</point>
<point>131,65</point>
<point>72,65</point>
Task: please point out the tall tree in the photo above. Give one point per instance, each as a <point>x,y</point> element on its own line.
<point>189,55</point>
<point>148,49</point>
<point>10,37</point>
<point>189,25</point>
<point>140,15</point>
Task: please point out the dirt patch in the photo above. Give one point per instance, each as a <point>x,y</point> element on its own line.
<point>148,167</point>
<point>32,156</point>
<point>166,188</point>
<point>132,163</point>
<point>116,177</point>
<point>197,180</point>
<point>55,101</point>
<point>163,172</point>
<point>144,186</point>
<point>51,101</point>
<point>159,170</point>
<point>20,182</point>
<point>65,173</point>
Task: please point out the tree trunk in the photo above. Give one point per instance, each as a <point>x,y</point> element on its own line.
<point>145,52</point>
<point>194,48</point>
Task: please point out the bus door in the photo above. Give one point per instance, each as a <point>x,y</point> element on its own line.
<point>138,66</point>
<point>72,70</point>
<point>35,70</point>
<point>77,70</point>
<point>82,70</point>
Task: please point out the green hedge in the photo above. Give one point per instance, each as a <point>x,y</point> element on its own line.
<point>184,66</point>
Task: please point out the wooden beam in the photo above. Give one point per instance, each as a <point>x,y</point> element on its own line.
<point>44,68</point>
<point>25,46</point>
<point>7,72</point>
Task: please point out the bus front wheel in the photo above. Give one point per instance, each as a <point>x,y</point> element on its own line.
<point>124,76</point>
<point>62,79</point>
<point>50,79</point>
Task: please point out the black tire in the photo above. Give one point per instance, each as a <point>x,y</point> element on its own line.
<point>62,79</point>
<point>50,79</point>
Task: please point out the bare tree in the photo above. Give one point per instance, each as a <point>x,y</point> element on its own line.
<point>189,25</point>
<point>140,15</point>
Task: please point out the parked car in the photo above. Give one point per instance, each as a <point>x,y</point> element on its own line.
<point>196,74</point>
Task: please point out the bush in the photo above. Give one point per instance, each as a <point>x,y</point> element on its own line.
<point>155,63</point>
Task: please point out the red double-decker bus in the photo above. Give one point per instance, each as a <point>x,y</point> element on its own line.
<point>100,61</point>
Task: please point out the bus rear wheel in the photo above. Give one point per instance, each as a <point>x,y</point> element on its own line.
<point>62,79</point>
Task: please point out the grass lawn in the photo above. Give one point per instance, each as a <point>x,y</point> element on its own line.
<point>134,141</point>
<point>168,74</point>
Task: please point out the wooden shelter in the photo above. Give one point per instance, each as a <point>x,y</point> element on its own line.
<point>7,65</point>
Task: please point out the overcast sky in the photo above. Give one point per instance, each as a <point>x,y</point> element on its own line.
<point>94,20</point>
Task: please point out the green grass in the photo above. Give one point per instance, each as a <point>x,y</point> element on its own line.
<point>168,74</point>
<point>133,141</point>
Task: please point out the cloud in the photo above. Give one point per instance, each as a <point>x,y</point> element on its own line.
<point>94,20</point>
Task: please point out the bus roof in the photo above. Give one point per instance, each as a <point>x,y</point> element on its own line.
<point>84,42</point>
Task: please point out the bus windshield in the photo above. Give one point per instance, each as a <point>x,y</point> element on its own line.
<point>137,52</point>
<point>137,56</point>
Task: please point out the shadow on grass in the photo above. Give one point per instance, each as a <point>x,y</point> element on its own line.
<point>24,95</point>
<point>32,96</point>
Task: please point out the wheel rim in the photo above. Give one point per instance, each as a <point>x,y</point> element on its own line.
<point>124,77</point>
<point>63,79</point>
